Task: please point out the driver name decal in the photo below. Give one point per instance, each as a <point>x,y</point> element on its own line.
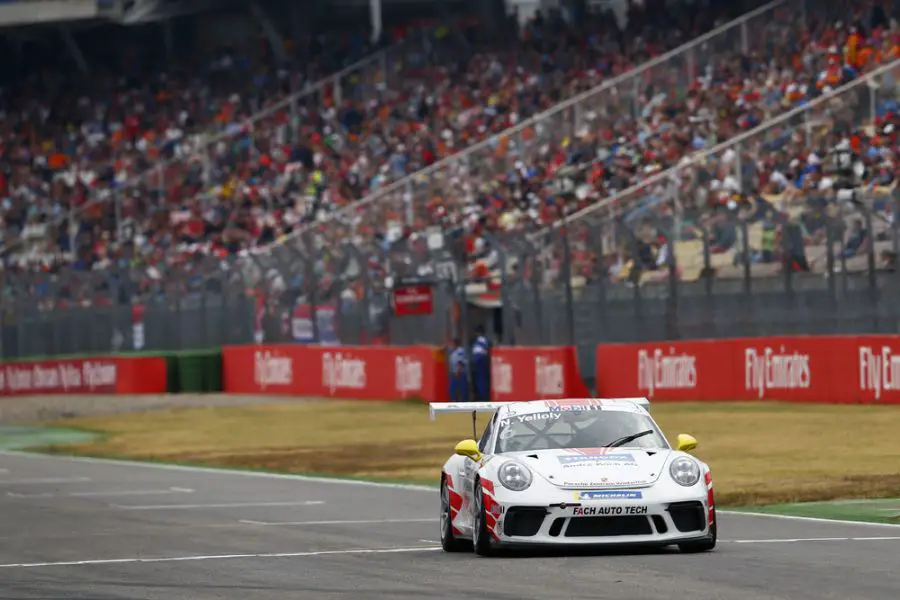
<point>532,417</point>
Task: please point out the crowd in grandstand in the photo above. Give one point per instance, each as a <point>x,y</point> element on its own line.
<point>128,155</point>
<point>68,143</point>
<point>527,181</point>
<point>772,183</point>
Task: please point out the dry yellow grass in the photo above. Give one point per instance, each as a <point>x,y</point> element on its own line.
<point>760,453</point>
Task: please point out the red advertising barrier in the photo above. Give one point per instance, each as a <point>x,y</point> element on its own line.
<point>95,375</point>
<point>831,369</point>
<point>371,373</point>
<point>532,373</point>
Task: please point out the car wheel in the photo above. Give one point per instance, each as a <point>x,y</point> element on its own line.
<point>481,537</point>
<point>449,542</point>
<point>704,545</point>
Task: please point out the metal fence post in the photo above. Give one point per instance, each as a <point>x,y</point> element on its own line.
<point>872,277</point>
<point>567,274</point>
<point>364,302</point>
<point>537,271</point>
<point>312,281</point>
<point>505,309</point>
<point>745,252</point>
<point>672,321</point>
<point>602,281</point>
<point>634,276</point>
<point>829,259</point>
<point>787,262</point>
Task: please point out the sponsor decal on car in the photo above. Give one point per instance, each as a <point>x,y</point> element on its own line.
<point>602,483</point>
<point>603,511</point>
<point>579,460</point>
<point>609,495</point>
<point>574,405</point>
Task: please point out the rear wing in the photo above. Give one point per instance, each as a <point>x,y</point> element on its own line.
<point>486,407</point>
<point>642,402</point>
<point>472,407</point>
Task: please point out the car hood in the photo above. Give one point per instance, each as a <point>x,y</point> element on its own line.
<point>597,467</point>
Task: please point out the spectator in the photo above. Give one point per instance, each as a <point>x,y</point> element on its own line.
<point>481,365</point>
<point>295,167</point>
<point>459,378</point>
<point>857,240</point>
<point>303,170</point>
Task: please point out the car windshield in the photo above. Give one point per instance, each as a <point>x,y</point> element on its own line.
<point>578,429</point>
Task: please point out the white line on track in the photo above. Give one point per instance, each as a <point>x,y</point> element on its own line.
<point>193,506</point>
<point>360,522</point>
<point>119,561</point>
<point>219,471</point>
<point>44,480</point>
<point>109,494</point>
<point>354,482</point>
<point>820,539</point>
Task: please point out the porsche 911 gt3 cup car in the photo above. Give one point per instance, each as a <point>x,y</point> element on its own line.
<point>573,472</point>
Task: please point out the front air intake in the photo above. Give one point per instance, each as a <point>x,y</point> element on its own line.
<point>523,521</point>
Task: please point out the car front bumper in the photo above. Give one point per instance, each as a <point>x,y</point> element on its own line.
<point>652,520</point>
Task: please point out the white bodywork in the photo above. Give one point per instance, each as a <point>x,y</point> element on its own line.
<point>596,495</point>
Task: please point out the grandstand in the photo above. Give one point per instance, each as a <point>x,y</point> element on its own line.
<point>270,178</point>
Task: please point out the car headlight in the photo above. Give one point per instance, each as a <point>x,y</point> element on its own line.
<point>685,471</point>
<point>514,476</point>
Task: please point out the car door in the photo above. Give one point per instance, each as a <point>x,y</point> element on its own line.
<point>470,471</point>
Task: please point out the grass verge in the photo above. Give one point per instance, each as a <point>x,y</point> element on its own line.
<point>761,454</point>
<point>882,510</point>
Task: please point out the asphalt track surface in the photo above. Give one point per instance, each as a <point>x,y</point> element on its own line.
<point>98,530</point>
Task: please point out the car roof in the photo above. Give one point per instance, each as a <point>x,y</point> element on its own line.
<point>511,409</point>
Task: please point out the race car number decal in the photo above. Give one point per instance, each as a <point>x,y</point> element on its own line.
<point>603,511</point>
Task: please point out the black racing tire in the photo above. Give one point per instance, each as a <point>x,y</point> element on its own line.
<point>702,545</point>
<point>449,542</point>
<point>481,537</point>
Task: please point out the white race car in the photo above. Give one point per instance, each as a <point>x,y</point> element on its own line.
<point>573,472</point>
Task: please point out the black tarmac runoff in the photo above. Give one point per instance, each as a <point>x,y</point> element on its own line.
<point>101,530</point>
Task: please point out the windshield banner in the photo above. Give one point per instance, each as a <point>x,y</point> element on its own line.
<point>832,369</point>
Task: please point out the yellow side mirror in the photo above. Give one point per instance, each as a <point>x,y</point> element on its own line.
<point>685,442</point>
<point>468,448</point>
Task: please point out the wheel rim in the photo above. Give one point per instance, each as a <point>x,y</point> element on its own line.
<point>445,512</point>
